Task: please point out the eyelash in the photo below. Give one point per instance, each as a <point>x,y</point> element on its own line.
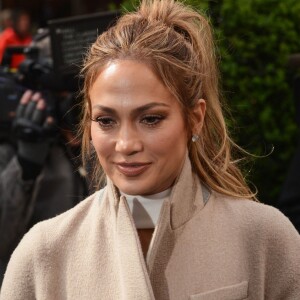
<point>148,120</point>
<point>152,120</point>
<point>103,122</point>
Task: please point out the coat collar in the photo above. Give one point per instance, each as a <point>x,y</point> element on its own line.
<point>187,196</point>
<point>145,279</point>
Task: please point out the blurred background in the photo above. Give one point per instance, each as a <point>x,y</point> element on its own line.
<point>257,42</point>
<point>43,10</point>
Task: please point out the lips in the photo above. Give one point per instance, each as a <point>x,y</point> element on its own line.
<point>132,169</point>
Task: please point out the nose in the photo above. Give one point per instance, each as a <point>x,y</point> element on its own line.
<point>128,141</point>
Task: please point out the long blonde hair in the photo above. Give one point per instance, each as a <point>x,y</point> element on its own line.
<point>177,42</point>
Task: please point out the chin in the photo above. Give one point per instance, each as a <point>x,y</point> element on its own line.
<point>132,191</point>
<point>135,189</point>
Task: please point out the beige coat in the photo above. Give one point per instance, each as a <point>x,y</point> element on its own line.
<point>205,246</point>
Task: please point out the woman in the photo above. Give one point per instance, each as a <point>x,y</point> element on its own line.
<point>153,119</point>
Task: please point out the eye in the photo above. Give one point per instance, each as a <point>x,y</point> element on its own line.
<point>152,120</point>
<point>105,122</point>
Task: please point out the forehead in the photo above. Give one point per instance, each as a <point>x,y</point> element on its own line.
<point>128,81</point>
<point>126,73</point>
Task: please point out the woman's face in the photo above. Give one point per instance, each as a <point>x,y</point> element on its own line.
<point>139,132</point>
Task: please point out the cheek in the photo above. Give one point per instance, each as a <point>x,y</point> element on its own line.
<point>172,143</point>
<point>101,142</point>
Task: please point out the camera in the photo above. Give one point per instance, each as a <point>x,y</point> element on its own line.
<point>35,73</point>
<point>51,66</point>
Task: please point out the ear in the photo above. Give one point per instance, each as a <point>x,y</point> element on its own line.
<point>198,116</point>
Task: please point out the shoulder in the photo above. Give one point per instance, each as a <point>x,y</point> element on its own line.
<point>269,240</point>
<point>7,151</point>
<point>254,217</point>
<point>7,33</point>
<point>58,227</point>
<point>75,215</point>
<point>42,238</point>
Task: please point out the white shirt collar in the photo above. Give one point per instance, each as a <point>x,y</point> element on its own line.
<point>146,209</point>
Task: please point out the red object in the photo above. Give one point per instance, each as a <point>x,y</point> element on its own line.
<point>9,38</point>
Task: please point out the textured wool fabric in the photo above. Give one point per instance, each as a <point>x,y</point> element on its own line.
<point>222,248</point>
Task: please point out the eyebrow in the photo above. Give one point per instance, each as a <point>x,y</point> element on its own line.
<point>137,110</point>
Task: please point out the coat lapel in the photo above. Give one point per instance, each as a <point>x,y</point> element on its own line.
<point>186,198</point>
<point>134,278</point>
<point>144,280</point>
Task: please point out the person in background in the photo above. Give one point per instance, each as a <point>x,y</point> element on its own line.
<point>289,197</point>
<point>39,159</point>
<point>18,34</point>
<point>176,219</point>
<point>38,165</point>
<point>5,19</point>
